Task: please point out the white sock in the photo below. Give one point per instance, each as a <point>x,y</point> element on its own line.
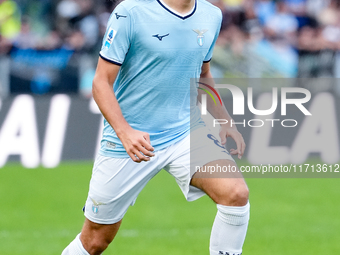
<point>229,230</point>
<point>75,248</point>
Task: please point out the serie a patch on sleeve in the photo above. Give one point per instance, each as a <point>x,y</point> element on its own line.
<point>110,36</point>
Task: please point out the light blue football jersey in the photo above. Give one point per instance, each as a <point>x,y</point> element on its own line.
<point>159,51</point>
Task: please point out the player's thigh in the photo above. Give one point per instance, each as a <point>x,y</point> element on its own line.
<point>114,187</point>
<point>226,187</point>
<point>96,236</point>
<point>191,155</point>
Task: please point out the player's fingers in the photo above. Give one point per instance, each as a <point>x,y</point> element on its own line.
<point>133,157</point>
<point>243,147</point>
<point>223,140</point>
<point>141,156</point>
<point>146,144</point>
<point>233,152</point>
<point>145,151</point>
<point>223,136</point>
<point>147,137</point>
<point>239,148</point>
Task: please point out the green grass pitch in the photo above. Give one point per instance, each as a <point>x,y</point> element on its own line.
<point>40,213</point>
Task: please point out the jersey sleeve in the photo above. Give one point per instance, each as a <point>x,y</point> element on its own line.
<point>211,49</point>
<point>116,41</point>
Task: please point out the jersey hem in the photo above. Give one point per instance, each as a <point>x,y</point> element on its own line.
<point>123,154</point>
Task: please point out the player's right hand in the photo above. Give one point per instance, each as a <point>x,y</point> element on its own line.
<point>137,145</point>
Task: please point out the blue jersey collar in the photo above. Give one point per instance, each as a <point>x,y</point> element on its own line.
<point>173,12</point>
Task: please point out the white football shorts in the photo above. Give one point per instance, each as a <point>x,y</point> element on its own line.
<point>116,182</point>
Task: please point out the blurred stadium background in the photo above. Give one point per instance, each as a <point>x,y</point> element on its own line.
<point>51,46</point>
<point>48,55</point>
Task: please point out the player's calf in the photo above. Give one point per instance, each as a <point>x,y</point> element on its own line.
<point>93,240</point>
<point>96,246</point>
<point>97,237</point>
<point>75,248</point>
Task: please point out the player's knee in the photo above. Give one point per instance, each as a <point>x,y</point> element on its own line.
<point>239,195</point>
<point>236,196</point>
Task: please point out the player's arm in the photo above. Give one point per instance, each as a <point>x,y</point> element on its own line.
<point>136,143</point>
<point>220,112</point>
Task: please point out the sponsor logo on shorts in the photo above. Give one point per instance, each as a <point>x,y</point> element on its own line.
<point>217,142</point>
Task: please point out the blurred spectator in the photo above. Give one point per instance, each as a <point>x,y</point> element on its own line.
<point>296,7</point>
<point>251,23</point>
<point>314,7</point>
<point>282,25</point>
<point>9,19</point>
<point>9,24</point>
<point>285,38</point>
<point>78,23</point>
<point>233,3</point>
<point>27,39</point>
<point>264,9</point>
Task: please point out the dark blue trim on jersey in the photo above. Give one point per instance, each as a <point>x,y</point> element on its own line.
<point>109,60</point>
<point>207,61</point>
<point>181,17</point>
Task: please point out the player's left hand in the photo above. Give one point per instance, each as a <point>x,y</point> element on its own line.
<point>227,131</point>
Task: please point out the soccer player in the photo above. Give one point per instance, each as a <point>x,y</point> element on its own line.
<point>150,51</point>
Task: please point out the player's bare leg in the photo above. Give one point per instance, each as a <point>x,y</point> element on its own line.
<point>228,189</point>
<point>93,240</point>
<point>230,193</point>
<point>97,237</point>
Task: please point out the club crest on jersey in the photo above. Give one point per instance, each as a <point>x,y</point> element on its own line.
<point>110,36</point>
<point>200,36</point>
